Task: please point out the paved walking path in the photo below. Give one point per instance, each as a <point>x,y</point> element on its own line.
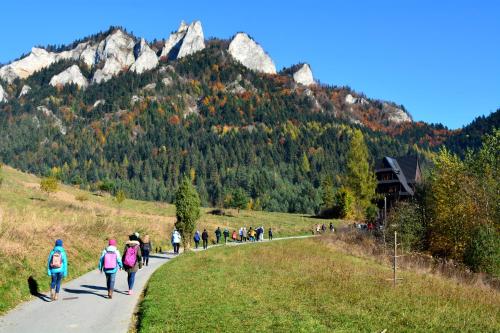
<point>83,305</point>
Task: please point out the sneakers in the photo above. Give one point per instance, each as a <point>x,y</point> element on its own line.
<point>130,292</point>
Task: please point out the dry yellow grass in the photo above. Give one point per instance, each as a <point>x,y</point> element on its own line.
<point>31,220</point>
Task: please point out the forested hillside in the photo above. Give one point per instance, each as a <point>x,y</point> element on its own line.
<point>204,115</point>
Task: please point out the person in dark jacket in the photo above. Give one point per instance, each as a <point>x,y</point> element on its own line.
<point>218,234</point>
<point>270,234</point>
<point>226,235</point>
<point>130,262</point>
<point>204,237</point>
<point>146,247</point>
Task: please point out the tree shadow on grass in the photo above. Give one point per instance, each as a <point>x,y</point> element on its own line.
<point>37,199</point>
<point>35,291</point>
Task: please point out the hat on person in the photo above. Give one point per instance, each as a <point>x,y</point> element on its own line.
<point>59,242</point>
<point>112,242</point>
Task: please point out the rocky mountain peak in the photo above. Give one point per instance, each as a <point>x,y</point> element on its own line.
<point>146,58</point>
<point>70,75</point>
<point>187,40</point>
<point>250,54</point>
<point>182,27</point>
<point>395,114</point>
<point>24,67</point>
<point>117,51</point>
<point>304,75</point>
<point>193,41</point>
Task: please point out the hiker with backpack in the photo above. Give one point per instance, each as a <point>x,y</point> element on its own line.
<point>57,268</point>
<point>132,260</point>
<point>145,250</point>
<point>234,236</point>
<point>196,239</point>
<point>226,235</point>
<point>109,263</point>
<point>218,234</point>
<point>176,241</point>
<point>204,237</point>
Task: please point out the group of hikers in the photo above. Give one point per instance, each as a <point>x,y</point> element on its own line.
<point>242,235</point>
<point>319,229</point>
<point>135,256</point>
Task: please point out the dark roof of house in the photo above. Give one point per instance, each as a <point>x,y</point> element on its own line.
<point>409,166</point>
<point>405,169</point>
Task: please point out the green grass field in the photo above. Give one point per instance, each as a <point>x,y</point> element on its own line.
<point>306,286</point>
<point>30,221</point>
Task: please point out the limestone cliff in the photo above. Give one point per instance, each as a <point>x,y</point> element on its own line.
<point>250,54</point>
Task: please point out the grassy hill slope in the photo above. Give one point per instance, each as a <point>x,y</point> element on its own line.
<point>30,221</point>
<point>307,286</point>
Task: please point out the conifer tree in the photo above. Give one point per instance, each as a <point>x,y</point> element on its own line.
<point>187,211</point>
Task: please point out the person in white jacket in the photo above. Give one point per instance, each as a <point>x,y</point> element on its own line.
<point>176,240</point>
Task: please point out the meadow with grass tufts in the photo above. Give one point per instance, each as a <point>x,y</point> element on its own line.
<point>30,221</point>
<point>307,285</point>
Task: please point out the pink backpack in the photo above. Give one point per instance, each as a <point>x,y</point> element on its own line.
<point>110,260</point>
<point>130,256</point>
<point>56,260</point>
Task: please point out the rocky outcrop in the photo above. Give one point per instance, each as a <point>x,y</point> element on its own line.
<point>395,114</point>
<point>187,40</point>
<point>24,90</point>
<point>117,51</point>
<point>40,58</point>
<point>193,41</point>
<point>36,60</point>
<point>350,99</point>
<point>57,122</point>
<point>304,75</point>
<point>146,58</point>
<point>70,75</point>
<point>3,95</point>
<point>88,55</point>
<point>250,54</point>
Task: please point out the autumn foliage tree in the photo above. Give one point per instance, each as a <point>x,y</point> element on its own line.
<point>360,176</point>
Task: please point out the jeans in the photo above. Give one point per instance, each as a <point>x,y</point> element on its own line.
<point>205,243</point>
<point>218,237</point>
<point>145,257</point>
<point>56,281</point>
<point>196,244</point>
<point>131,280</point>
<point>110,280</point>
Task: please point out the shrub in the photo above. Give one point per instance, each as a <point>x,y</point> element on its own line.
<point>408,222</point>
<point>483,252</point>
<point>49,185</point>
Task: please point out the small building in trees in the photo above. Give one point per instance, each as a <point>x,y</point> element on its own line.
<point>397,178</point>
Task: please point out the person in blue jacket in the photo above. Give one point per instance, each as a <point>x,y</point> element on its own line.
<point>57,268</point>
<point>109,263</point>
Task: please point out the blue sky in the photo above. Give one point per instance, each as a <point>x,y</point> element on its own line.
<point>440,59</point>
